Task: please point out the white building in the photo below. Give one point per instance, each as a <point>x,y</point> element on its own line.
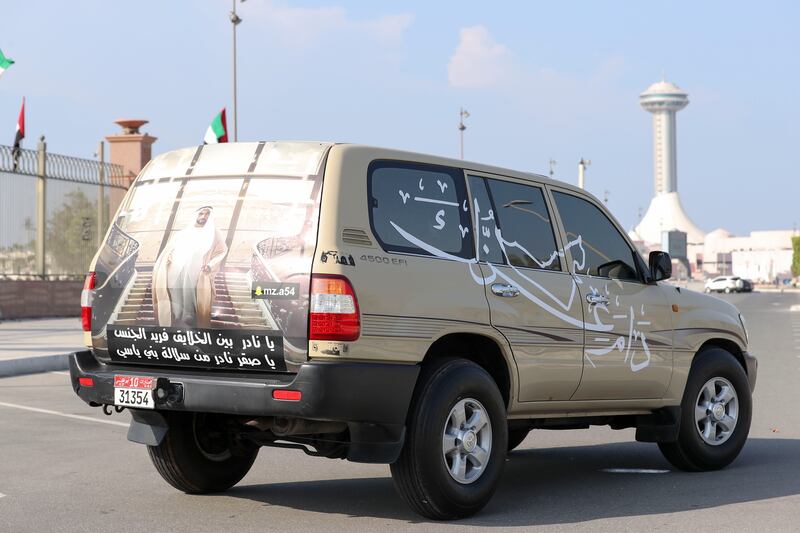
<point>762,256</point>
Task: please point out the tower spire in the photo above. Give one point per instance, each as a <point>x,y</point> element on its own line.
<point>664,99</point>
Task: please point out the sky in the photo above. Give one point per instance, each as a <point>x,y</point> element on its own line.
<point>541,80</point>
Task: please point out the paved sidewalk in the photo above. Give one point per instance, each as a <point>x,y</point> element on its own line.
<point>38,345</point>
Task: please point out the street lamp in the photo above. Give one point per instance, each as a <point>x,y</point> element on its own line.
<point>235,21</point>
<point>582,164</point>
<point>462,114</point>
<point>552,164</point>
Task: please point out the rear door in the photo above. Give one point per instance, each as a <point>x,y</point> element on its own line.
<point>628,347</point>
<point>533,300</point>
<point>207,264</point>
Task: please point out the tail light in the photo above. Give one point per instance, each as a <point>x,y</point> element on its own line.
<point>87,295</point>
<point>334,309</point>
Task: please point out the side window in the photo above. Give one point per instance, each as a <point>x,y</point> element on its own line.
<point>526,234</point>
<point>420,209</point>
<point>598,248</point>
<point>484,222</point>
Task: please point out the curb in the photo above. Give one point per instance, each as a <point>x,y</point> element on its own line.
<point>33,365</point>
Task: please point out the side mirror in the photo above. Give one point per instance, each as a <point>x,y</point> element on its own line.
<point>660,266</point>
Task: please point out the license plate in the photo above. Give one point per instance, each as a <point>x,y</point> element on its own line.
<point>134,391</point>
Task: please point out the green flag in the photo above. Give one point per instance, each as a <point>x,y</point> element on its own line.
<point>217,132</point>
<point>5,62</point>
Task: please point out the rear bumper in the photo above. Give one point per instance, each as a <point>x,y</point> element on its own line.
<point>751,367</point>
<point>372,398</point>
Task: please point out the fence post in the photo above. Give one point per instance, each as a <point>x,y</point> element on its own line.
<point>101,196</point>
<point>41,213</point>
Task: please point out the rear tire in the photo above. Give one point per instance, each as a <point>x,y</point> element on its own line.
<point>516,437</point>
<point>727,290</point>
<point>446,430</point>
<point>715,414</point>
<point>195,456</point>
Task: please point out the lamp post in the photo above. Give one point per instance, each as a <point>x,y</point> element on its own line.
<point>552,164</point>
<point>582,164</point>
<point>462,114</point>
<point>235,21</point>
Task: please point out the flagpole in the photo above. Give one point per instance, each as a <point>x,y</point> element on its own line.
<point>235,20</point>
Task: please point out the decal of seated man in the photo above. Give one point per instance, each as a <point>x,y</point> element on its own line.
<point>183,275</point>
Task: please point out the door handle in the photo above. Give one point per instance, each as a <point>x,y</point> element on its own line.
<point>596,299</point>
<point>505,290</point>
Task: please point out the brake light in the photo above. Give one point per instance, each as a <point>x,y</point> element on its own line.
<point>87,295</point>
<point>86,382</point>
<point>334,309</point>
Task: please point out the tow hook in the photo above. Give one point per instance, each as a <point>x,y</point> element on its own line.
<point>107,409</point>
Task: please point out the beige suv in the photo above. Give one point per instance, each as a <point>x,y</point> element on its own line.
<point>391,307</point>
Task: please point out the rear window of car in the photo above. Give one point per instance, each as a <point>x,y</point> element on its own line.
<point>420,209</point>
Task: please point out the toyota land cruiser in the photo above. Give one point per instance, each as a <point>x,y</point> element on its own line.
<point>390,307</point>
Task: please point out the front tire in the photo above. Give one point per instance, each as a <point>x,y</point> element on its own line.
<point>456,442</point>
<point>196,456</point>
<point>715,414</point>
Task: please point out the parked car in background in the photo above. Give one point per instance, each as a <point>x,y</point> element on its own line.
<point>727,284</point>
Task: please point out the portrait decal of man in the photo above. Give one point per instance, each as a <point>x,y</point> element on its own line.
<point>183,275</point>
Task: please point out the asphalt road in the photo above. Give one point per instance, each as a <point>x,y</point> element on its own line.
<point>66,467</point>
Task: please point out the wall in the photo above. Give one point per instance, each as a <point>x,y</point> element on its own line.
<point>763,265</point>
<point>37,298</point>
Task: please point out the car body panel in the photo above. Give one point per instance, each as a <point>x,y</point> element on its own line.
<point>409,301</point>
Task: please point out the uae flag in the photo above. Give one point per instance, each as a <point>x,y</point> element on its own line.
<point>217,132</point>
<point>5,62</point>
<point>15,152</point>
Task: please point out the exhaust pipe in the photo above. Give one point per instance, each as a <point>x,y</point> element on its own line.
<point>284,427</point>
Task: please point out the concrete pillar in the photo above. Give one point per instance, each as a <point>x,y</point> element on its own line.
<point>132,151</point>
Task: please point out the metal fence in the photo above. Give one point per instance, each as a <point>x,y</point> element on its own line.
<point>54,211</point>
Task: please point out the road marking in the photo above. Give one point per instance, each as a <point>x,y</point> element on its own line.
<point>65,415</point>
<point>2,495</point>
<point>633,471</point>
<point>59,372</point>
<point>795,308</point>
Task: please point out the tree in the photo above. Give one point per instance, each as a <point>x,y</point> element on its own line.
<point>796,256</point>
<point>70,235</point>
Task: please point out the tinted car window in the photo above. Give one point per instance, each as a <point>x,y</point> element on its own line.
<point>526,234</point>
<point>420,209</point>
<point>484,222</point>
<point>598,249</point>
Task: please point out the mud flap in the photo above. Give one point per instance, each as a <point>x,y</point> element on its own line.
<point>147,427</point>
<point>662,426</point>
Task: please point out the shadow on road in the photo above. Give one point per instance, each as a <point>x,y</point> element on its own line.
<point>566,485</point>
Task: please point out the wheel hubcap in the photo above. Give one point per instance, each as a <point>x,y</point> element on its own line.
<point>716,411</point>
<point>467,441</point>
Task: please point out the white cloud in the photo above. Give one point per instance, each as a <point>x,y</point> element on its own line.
<point>479,62</point>
<point>304,26</point>
<point>549,95</point>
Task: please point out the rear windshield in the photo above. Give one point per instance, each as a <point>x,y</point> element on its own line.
<point>205,254</point>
